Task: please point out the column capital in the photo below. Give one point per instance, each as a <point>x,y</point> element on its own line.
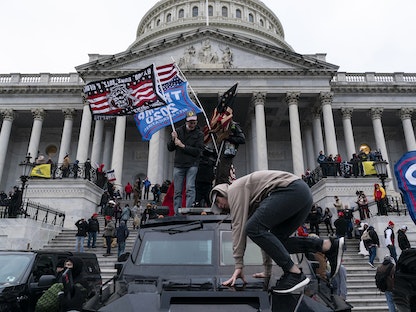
<point>38,113</point>
<point>406,113</point>
<point>316,111</point>
<point>69,113</point>
<point>376,112</point>
<point>292,98</point>
<point>8,114</point>
<point>326,98</point>
<point>346,112</point>
<point>259,98</point>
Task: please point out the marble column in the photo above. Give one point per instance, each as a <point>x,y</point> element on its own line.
<point>318,139</point>
<point>97,142</point>
<point>84,134</point>
<point>348,133</point>
<point>309,152</point>
<point>261,140</point>
<point>251,145</point>
<point>108,144</point>
<point>38,116</point>
<point>376,114</point>
<point>292,99</point>
<point>409,134</point>
<point>69,114</point>
<point>157,153</point>
<point>329,127</point>
<point>6,128</point>
<point>118,151</point>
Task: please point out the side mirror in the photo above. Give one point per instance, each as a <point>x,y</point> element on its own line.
<point>46,280</point>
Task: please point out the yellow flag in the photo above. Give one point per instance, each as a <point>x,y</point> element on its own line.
<point>41,171</point>
<point>369,168</point>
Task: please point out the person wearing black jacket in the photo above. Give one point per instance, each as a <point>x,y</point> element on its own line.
<point>93,229</point>
<point>187,142</point>
<point>402,238</point>
<point>371,242</point>
<point>82,230</point>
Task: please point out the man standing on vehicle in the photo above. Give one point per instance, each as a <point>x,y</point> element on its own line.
<point>268,206</point>
<point>187,142</point>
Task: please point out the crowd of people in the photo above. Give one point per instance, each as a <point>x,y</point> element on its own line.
<point>333,166</point>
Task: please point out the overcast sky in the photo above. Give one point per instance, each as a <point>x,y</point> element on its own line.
<point>357,35</point>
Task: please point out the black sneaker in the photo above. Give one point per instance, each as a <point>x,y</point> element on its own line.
<point>334,254</point>
<point>290,282</point>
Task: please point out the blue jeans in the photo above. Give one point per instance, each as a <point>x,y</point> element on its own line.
<point>79,244</point>
<point>121,248</point>
<point>390,302</point>
<point>277,218</point>
<point>393,253</point>
<point>372,254</point>
<point>92,236</point>
<point>179,175</point>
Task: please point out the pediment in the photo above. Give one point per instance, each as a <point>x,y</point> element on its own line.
<point>209,50</point>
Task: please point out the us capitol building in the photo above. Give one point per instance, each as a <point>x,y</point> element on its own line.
<point>291,106</point>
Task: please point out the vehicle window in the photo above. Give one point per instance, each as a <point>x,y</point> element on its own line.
<point>188,248</point>
<point>43,266</point>
<point>12,267</point>
<point>252,255</point>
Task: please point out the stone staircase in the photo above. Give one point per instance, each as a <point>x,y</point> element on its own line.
<point>66,241</point>
<point>363,294</point>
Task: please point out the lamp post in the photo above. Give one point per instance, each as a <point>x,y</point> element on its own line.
<point>381,169</point>
<point>26,166</point>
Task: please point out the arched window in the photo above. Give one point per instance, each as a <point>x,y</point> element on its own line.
<point>181,13</point>
<point>251,18</point>
<point>195,11</point>
<point>238,13</point>
<point>210,11</point>
<point>261,23</point>
<point>169,17</point>
<point>224,11</point>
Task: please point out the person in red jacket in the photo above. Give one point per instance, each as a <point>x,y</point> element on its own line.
<point>128,189</point>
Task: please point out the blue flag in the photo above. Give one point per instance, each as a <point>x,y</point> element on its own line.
<point>405,171</point>
<point>178,104</point>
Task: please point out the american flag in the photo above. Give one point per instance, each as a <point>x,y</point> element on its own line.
<point>125,95</point>
<point>169,76</point>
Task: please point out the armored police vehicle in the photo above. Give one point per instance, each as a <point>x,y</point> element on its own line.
<point>179,264</point>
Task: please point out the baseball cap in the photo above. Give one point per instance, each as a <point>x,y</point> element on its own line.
<point>191,116</point>
<point>391,223</point>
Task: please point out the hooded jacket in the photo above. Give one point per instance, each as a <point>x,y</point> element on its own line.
<point>244,196</point>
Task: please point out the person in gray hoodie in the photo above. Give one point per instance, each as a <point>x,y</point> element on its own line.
<point>268,206</point>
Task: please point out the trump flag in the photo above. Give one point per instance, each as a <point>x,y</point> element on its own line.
<point>178,104</point>
<point>127,95</point>
<point>405,172</point>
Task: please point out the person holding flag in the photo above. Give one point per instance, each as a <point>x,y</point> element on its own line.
<point>187,142</point>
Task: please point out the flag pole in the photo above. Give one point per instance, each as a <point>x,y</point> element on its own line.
<point>201,107</point>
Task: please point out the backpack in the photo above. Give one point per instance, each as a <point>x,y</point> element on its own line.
<point>49,301</point>
<point>383,277</point>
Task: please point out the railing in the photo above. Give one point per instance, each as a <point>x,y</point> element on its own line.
<point>37,212</point>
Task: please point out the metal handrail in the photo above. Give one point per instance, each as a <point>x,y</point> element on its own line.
<point>37,212</point>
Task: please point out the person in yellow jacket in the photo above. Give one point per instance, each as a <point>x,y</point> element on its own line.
<point>268,206</point>
<point>380,199</point>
